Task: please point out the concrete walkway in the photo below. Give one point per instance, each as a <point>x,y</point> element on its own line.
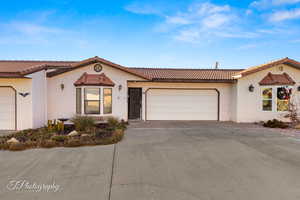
<point>161,161</point>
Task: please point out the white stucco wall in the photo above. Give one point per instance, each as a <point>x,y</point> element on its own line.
<point>24,104</point>
<point>225,90</point>
<point>249,104</point>
<point>39,98</point>
<point>62,103</point>
<point>233,108</point>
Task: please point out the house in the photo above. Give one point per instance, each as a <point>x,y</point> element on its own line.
<point>32,92</point>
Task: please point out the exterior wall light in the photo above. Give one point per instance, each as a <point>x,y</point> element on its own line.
<point>62,86</point>
<point>120,87</point>
<point>251,88</point>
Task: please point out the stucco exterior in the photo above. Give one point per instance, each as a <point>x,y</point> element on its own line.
<point>39,98</point>
<point>48,100</point>
<point>62,103</point>
<point>249,104</point>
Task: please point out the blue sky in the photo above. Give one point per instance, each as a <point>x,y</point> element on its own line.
<point>152,33</point>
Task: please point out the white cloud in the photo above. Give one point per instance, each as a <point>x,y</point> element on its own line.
<point>207,8</point>
<point>205,14</point>
<point>33,29</point>
<point>295,41</point>
<point>216,20</point>
<point>263,4</point>
<point>249,12</point>
<point>177,20</point>
<point>189,35</point>
<point>145,9</point>
<point>204,21</point>
<point>283,15</point>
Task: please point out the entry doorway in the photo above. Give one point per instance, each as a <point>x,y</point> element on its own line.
<point>134,103</point>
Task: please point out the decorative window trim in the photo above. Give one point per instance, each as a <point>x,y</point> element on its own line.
<point>267,99</point>
<point>274,98</point>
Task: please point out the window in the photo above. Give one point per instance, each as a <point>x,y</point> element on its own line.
<point>283,98</point>
<point>107,100</point>
<point>267,99</point>
<point>78,100</point>
<point>92,100</point>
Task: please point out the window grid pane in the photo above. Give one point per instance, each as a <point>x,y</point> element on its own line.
<point>92,100</point>
<point>107,101</point>
<point>267,95</point>
<point>283,98</point>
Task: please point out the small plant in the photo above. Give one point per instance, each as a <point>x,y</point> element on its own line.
<point>55,126</point>
<point>59,138</point>
<point>275,124</point>
<point>293,113</point>
<point>83,123</point>
<point>112,122</point>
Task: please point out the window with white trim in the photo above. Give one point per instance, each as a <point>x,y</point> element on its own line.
<point>283,98</point>
<point>276,98</point>
<point>267,101</point>
<point>92,100</point>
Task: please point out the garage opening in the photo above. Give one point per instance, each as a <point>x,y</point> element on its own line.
<point>182,104</point>
<point>7,108</point>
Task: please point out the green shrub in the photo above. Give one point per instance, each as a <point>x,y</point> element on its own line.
<point>275,124</point>
<point>83,123</point>
<point>122,125</point>
<point>59,138</point>
<point>112,122</point>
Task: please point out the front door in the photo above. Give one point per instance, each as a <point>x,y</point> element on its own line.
<point>134,103</point>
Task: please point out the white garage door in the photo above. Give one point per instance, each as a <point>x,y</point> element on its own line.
<point>7,108</point>
<point>181,104</point>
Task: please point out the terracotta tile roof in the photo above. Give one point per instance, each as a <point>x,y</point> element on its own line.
<point>96,59</point>
<point>277,79</point>
<point>160,74</point>
<point>258,68</point>
<point>24,65</point>
<point>22,68</point>
<point>94,80</point>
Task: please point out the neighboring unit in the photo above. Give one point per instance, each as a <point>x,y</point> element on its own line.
<point>32,92</point>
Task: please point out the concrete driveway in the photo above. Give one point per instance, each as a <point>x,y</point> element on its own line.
<point>165,160</point>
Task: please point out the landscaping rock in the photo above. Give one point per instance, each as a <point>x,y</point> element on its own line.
<point>73,133</point>
<point>13,141</point>
<point>85,135</point>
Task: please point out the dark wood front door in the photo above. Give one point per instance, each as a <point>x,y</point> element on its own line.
<point>134,103</point>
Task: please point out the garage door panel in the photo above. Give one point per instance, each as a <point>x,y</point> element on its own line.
<point>7,108</point>
<point>171,104</point>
